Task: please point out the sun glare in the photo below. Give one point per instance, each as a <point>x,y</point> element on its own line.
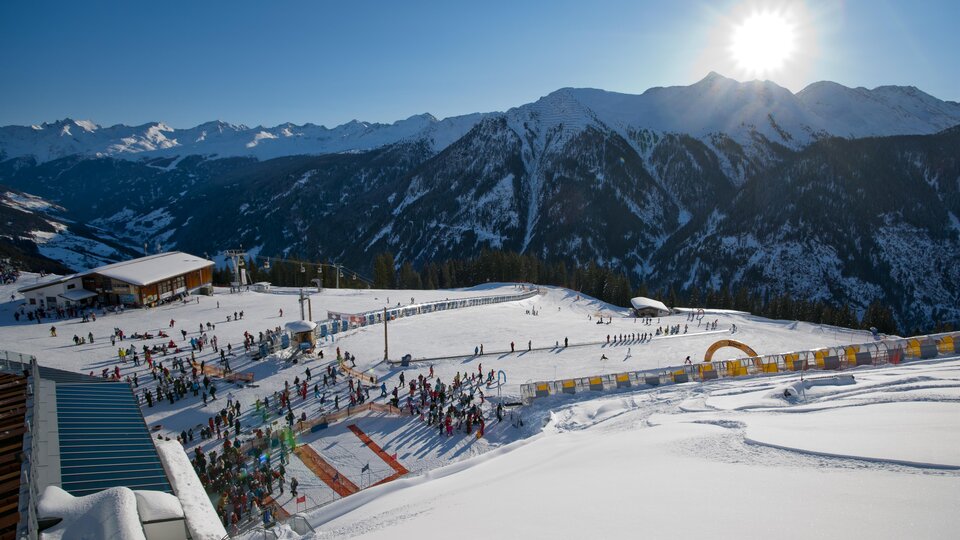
<point>763,43</point>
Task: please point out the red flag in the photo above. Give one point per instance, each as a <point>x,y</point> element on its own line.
<point>302,499</point>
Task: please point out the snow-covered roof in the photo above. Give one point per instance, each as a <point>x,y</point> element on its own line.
<point>301,326</point>
<point>153,268</point>
<point>202,520</point>
<point>642,302</point>
<point>157,505</point>
<point>75,295</point>
<point>111,513</point>
<point>46,281</point>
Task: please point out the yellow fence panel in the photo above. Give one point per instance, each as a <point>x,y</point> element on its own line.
<point>790,359</point>
<point>819,356</point>
<point>913,347</point>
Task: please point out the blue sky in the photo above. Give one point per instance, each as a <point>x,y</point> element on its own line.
<point>330,62</point>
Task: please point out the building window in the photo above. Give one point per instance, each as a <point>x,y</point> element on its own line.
<point>33,301</point>
<point>71,286</point>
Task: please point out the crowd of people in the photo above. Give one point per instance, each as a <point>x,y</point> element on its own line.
<point>241,451</point>
<point>8,272</point>
<point>246,466</point>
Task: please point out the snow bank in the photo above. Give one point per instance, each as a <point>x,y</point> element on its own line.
<point>202,520</point>
<point>873,432</point>
<point>774,395</point>
<point>109,514</point>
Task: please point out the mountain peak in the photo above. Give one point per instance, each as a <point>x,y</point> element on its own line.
<point>423,116</point>
<point>714,78</point>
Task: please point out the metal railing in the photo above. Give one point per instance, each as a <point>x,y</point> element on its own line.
<point>885,351</point>
<point>18,363</point>
<point>348,321</point>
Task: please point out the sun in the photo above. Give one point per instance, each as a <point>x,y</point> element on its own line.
<point>764,42</point>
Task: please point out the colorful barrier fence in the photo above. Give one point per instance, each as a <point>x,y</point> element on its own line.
<point>881,352</point>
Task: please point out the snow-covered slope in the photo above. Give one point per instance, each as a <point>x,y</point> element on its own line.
<point>37,235</point>
<point>634,465</point>
<point>622,464</point>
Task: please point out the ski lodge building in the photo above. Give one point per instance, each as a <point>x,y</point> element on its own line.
<point>139,282</point>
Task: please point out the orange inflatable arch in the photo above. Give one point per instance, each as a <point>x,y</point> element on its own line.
<point>728,343</point>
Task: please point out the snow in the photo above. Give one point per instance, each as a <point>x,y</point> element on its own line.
<point>202,520</point>
<point>623,466</point>
<point>111,513</point>
<point>872,431</point>
<point>713,105</point>
<point>28,203</point>
<point>157,505</point>
<point>153,268</point>
<point>641,302</point>
<point>75,251</point>
<point>66,137</point>
<point>879,443</point>
<point>300,326</point>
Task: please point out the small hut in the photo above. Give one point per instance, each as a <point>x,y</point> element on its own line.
<point>302,333</point>
<point>648,307</point>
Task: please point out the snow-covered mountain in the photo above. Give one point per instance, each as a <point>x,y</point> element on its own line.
<point>717,184</point>
<point>37,236</point>
<point>69,137</point>
<point>714,105</point>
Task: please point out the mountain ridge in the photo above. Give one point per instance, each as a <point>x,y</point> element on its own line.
<point>715,104</point>
<point>719,184</point>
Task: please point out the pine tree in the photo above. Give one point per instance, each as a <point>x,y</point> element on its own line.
<point>384,271</point>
